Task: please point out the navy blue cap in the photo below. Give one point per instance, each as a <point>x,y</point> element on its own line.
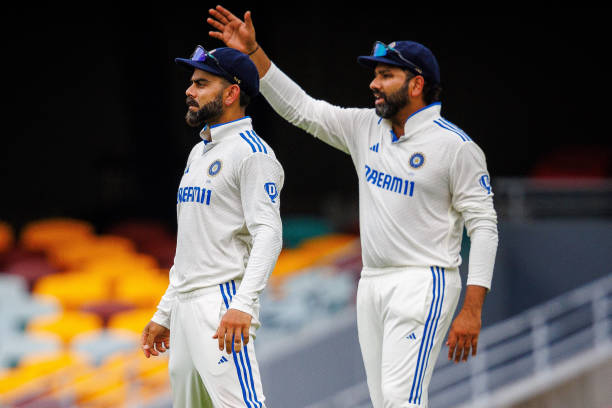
<point>233,65</point>
<point>414,56</point>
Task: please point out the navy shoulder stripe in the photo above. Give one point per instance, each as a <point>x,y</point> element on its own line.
<point>444,124</point>
<point>248,141</point>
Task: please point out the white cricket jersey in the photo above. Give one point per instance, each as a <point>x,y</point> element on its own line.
<point>415,192</point>
<point>228,217</point>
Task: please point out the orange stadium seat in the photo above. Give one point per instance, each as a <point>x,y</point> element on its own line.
<point>76,253</point>
<point>7,237</point>
<point>42,235</point>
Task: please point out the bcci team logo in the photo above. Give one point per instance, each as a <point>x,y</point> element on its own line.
<point>485,183</point>
<point>416,160</point>
<point>271,190</point>
<point>214,168</point>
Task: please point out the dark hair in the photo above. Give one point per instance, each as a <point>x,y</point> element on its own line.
<point>244,99</point>
<point>431,91</point>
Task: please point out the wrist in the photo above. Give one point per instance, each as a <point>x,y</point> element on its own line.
<point>254,50</point>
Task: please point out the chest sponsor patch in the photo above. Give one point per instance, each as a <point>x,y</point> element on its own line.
<point>389,182</point>
<point>271,191</point>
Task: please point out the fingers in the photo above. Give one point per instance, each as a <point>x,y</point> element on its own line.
<point>148,347</point>
<point>225,13</point>
<point>249,21</point>
<point>452,344</point>
<point>237,339</point>
<point>218,16</point>
<point>474,345</point>
<point>215,24</point>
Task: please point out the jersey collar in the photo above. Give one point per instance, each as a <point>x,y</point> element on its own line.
<point>216,133</point>
<point>417,121</point>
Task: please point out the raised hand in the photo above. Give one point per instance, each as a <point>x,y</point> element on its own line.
<point>234,32</point>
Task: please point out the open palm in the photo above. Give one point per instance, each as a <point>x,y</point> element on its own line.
<point>234,32</point>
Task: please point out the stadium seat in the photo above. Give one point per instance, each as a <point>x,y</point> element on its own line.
<point>74,289</point>
<point>133,320</point>
<point>18,311</point>
<point>7,237</point>
<point>142,290</point>
<point>31,269</point>
<point>100,344</point>
<point>66,325</point>
<point>105,309</point>
<point>37,375</point>
<point>42,235</point>
<point>297,229</point>
<point>14,347</point>
<point>76,253</point>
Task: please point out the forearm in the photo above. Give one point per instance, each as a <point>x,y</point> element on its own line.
<point>483,248</point>
<point>267,244</point>
<point>164,308</point>
<point>474,299</point>
<point>260,59</point>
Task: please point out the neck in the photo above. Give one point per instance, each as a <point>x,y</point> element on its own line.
<point>228,115</point>
<point>399,119</point>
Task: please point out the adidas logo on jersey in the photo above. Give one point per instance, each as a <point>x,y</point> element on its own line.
<point>374,148</point>
<point>223,360</point>
<point>411,337</point>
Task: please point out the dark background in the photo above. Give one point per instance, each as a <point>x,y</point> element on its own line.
<point>94,126</point>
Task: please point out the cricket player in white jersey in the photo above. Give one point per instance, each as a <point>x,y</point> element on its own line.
<point>421,179</point>
<point>229,238</point>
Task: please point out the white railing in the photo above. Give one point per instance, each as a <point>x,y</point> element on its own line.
<point>534,342</point>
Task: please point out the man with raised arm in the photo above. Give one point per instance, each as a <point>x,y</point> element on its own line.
<point>421,180</point>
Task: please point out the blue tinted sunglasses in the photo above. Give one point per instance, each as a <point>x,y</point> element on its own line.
<point>201,55</point>
<point>381,49</point>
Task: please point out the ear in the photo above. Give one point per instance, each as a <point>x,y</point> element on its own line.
<point>231,94</point>
<point>417,85</point>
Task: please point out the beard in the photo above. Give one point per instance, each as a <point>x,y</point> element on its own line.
<point>207,113</point>
<point>392,103</point>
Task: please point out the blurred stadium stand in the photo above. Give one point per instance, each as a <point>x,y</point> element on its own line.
<point>73,302</point>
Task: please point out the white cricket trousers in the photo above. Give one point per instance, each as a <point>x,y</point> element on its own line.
<point>403,315</point>
<point>200,374</point>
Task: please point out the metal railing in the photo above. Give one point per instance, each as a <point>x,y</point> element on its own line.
<point>519,198</point>
<point>535,341</point>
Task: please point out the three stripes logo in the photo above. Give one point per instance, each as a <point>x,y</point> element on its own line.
<point>374,148</point>
<point>223,360</point>
<point>411,337</point>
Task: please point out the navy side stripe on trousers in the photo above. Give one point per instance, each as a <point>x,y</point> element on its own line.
<point>238,357</point>
<point>423,341</point>
<point>441,284</point>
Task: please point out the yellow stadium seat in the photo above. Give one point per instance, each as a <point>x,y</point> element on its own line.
<point>43,235</point>
<point>74,289</point>
<point>121,264</point>
<point>144,290</point>
<point>65,325</point>
<point>40,374</point>
<point>132,320</point>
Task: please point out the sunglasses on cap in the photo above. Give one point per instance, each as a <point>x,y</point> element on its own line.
<point>201,55</point>
<point>381,49</point>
